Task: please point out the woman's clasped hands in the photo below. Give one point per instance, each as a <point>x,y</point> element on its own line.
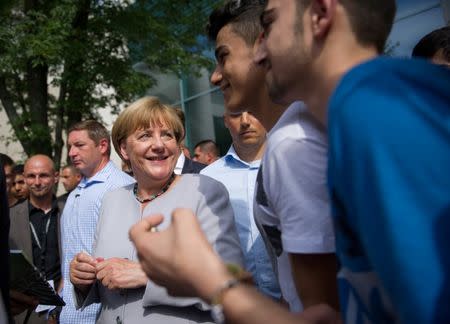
<point>113,273</point>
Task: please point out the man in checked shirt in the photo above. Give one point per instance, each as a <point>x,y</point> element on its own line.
<point>89,150</point>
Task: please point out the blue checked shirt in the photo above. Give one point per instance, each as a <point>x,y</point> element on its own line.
<point>78,225</point>
<point>239,178</point>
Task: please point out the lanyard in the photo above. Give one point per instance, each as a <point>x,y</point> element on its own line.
<point>33,230</point>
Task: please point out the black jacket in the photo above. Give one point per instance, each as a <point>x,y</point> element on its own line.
<point>4,242</point>
<point>192,166</point>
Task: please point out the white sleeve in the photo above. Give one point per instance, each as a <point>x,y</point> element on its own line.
<point>295,181</point>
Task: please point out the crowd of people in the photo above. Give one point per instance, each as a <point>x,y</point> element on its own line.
<point>331,205</point>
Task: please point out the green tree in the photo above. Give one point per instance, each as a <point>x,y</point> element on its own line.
<point>63,60</point>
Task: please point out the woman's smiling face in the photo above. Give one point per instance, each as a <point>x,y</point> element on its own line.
<point>152,153</point>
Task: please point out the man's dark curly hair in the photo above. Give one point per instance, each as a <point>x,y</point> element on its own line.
<point>243,15</point>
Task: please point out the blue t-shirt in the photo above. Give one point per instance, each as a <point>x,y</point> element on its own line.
<point>389,180</point>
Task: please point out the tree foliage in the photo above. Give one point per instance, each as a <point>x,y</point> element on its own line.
<point>63,60</point>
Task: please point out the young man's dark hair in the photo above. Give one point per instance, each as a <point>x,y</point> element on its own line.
<point>371,20</point>
<point>17,169</point>
<point>244,14</point>
<point>434,42</point>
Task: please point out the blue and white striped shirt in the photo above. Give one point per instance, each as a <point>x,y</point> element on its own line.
<point>78,225</point>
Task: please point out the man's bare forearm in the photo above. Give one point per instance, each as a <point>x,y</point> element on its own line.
<point>315,278</point>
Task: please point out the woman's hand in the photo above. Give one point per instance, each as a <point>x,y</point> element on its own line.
<point>118,273</point>
<point>83,271</point>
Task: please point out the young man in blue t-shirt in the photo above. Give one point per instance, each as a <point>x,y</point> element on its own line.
<point>389,133</point>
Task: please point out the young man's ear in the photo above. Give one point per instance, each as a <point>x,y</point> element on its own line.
<point>258,42</point>
<point>322,15</point>
<point>259,50</point>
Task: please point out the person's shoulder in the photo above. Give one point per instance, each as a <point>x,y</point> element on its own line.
<point>191,166</point>
<point>119,177</point>
<point>367,95</point>
<point>390,76</point>
<point>202,182</point>
<point>309,140</point>
<point>386,64</point>
<point>191,178</point>
<point>19,208</point>
<point>287,119</point>
<point>61,202</point>
<point>295,124</point>
<point>213,168</point>
<point>197,166</point>
<point>119,192</point>
<point>63,198</point>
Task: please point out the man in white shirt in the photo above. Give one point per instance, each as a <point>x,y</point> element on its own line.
<point>237,170</point>
<point>291,192</point>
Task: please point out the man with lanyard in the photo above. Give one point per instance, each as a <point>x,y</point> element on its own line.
<point>35,224</point>
<point>89,150</point>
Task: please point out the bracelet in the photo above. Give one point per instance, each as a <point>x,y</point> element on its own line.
<point>218,295</point>
<point>216,300</point>
<point>239,276</point>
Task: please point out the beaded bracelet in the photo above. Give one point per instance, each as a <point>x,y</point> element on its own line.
<point>218,295</point>
<point>216,300</point>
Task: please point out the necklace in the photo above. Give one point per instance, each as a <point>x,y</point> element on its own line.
<point>153,197</point>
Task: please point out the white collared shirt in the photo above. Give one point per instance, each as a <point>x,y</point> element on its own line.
<point>180,164</point>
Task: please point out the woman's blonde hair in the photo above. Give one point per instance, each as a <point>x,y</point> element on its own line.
<point>141,114</point>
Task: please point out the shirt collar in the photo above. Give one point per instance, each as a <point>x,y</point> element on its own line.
<point>232,157</point>
<point>32,208</point>
<point>100,176</point>
<point>180,164</point>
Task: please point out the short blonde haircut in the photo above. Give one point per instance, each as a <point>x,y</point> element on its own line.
<point>141,114</point>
